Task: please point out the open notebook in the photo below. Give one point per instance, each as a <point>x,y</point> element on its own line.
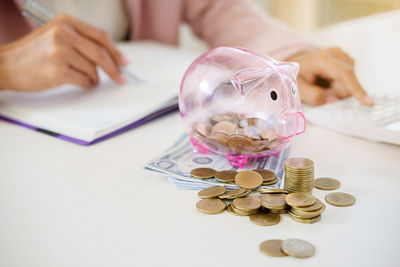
<point>88,116</point>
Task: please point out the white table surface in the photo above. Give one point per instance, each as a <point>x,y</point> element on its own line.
<point>68,205</point>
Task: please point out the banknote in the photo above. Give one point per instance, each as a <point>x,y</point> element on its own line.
<point>177,162</point>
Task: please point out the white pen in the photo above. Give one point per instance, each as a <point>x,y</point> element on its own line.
<point>40,16</point>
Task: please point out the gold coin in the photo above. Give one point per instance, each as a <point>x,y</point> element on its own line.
<point>203,173</point>
<point>231,211</point>
<point>300,199</point>
<point>272,191</point>
<point>239,143</point>
<point>326,183</point>
<point>248,179</point>
<point>233,193</point>
<point>211,206</point>
<point>224,127</point>
<point>302,163</point>
<point>274,201</point>
<point>272,248</point>
<point>245,193</point>
<point>243,212</point>
<point>247,203</point>
<point>340,199</point>
<point>282,211</point>
<point>211,192</point>
<point>297,248</point>
<point>307,214</point>
<point>265,219</point>
<point>226,176</point>
<point>270,182</point>
<point>304,220</point>
<point>267,175</point>
<point>316,206</point>
<point>203,129</point>
<point>223,117</point>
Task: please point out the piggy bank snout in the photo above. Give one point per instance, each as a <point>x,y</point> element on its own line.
<point>292,124</point>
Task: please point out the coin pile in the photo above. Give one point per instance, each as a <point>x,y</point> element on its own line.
<point>295,199</point>
<point>299,175</point>
<point>304,207</point>
<point>290,247</point>
<point>234,134</point>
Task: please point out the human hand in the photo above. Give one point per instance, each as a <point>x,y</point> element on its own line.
<point>336,68</point>
<point>63,51</point>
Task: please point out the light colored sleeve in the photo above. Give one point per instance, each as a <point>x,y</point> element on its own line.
<point>240,23</point>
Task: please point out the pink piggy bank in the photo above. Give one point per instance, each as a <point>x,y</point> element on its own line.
<point>240,104</point>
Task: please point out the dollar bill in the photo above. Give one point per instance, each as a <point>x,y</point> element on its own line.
<point>177,162</point>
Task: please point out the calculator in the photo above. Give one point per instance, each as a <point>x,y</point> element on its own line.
<point>380,122</point>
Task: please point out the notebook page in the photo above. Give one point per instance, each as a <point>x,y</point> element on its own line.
<point>86,114</point>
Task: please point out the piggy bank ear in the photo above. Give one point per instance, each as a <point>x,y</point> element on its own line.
<point>289,67</point>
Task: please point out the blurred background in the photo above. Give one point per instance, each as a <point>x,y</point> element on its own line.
<point>307,15</point>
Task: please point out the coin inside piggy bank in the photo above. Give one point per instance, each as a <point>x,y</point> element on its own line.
<point>240,104</point>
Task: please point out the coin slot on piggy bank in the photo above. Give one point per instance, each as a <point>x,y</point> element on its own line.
<point>240,104</point>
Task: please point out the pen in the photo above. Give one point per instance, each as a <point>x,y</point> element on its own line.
<point>40,16</point>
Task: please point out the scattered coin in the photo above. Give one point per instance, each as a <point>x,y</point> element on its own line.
<point>247,203</point>
<point>243,212</point>
<point>326,183</point>
<point>297,248</point>
<point>211,192</point>
<point>265,218</point>
<point>300,199</point>
<point>316,206</point>
<point>272,191</point>
<point>340,199</point>
<point>267,175</point>
<point>211,206</point>
<point>226,176</point>
<point>231,211</point>
<point>305,220</point>
<point>270,182</point>
<point>274,201</point>
<point>248,179</point>
<point>272,248</point>
<point>233,193</point>
<point>203,173</point>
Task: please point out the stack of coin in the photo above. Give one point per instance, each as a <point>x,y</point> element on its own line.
<point>234,134</point>
<point>299,175</point>
<point>304,207</point>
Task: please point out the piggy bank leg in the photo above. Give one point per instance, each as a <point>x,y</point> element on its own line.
<point>238,161</point>
<point>197,147</point>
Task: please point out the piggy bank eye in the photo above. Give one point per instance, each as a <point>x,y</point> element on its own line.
<point>293,89</point>
<point>274,95</point>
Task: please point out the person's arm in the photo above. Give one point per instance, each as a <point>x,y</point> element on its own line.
<point>63,51</point>
<point>240,23</point>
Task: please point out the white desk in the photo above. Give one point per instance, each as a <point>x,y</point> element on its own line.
<point>67,205</point>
